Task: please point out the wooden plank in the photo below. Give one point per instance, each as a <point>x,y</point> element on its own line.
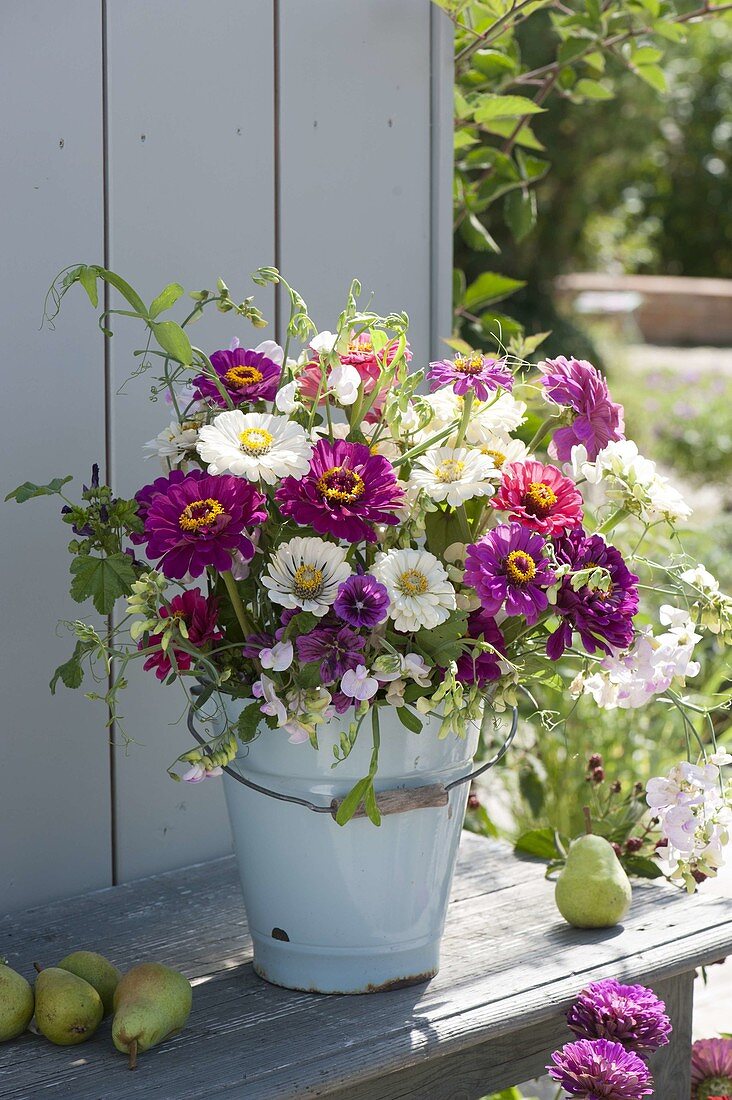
<point>671,1065</point>
<point>355,188</point>
<point>509,965</point>
<point>54,780</point>
<point>191,169</point>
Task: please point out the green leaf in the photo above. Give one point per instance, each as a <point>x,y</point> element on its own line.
<point>88,279</point>
<point>505,128</point>
<point>409,720</point>
<point>173,340</point>
<point>499,327</point>
<point>570,49</point>
<point>464,138</point>
<point>646,55</point>
<point>302,623</point>
<point>444,642</point>
<point>125,290</point>
<point>370,806</point>
<point>489,287</point>
<point>477,236</point>
<point>492,107</point>
<point>519,212</point>
<point>103,580</point>
<point>592,89</point>
<point>538,842</point>
<point>353,800</point>
<point>249,722</point>
<point>532,790</point>
<point>642,866</point>
<point>443,529</point>
<point>309,675</point>
<point>493,63</point>
<point>652,75</point>
<point>672,32</point>
<point>28,490</point>
<point>70,672</point>
<point>166,298</point>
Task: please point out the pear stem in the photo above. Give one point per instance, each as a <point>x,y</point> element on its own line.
<point>588,819</point>
<point>133,1054</point>
<point>37,967</point>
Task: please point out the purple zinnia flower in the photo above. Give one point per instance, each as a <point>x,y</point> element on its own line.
<point>627,1014</point>
<point>362,601</point>
<point>344,493</point>
<point>603,620</point>
<point>200,614</point>
<point>597,421</point>
<point>337,650</point>
<point>245,375</point>
<point>711,1069</point>
<point>474,667</point>
<point>597,1069</point>
<point>507,566</point>
<point>200,521</point>
<point>143,497</point>
<point>477,372</point>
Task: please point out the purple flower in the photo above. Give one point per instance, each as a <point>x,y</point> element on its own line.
<point>627,1014</point>
<point>711,1068</point>
<point>362,601</point>
<point>200,521</point>
<point>507,566</point>
<point>337,650</point>
<point>200,614</point>
<point>597,420</point>
<point>345,492</point>
<point>603,620</point>
<point>145,495</point>
<point>477,372</point>
<point>245,375</point>
<point>479,668</point>
<point>597,1069</point>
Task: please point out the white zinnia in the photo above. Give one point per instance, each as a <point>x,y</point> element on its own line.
<point>501,415</point>
<point>504,450</point>
<point>454,475</point>
<point>254,445</point>
<point>172,444</point>
<point>420,593</point>
<point>306,573</point>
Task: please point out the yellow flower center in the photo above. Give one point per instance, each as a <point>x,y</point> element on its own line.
<point>341,485</point>
<point>498,456</point>
<point>199,514</point>
<point>469,364</point>
<point>256,441</point>
<point>540,498</point>
<point>243,375</point>
<point>449,470</point>
<point>360,346</point>
<point>413,582</point>
<point>307,582</point>
<point>520,567</point>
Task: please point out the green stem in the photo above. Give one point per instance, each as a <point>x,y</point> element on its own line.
<point>542,431</point>
<point>425,446</point>
<point>612,521</point>
<point>236,603</point>
<point>464,419</point>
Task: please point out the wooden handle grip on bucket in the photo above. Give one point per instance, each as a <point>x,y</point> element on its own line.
<point>401,799</point>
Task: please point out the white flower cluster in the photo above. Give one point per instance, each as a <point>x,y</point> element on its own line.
<point>694,813</point>
<point>713,607</point>
<point>632,482</point>
<point>649,668</point>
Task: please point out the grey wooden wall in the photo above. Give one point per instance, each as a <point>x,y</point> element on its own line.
<point>172,139</point>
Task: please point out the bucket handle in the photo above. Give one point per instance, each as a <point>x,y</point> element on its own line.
<point>395,800</point>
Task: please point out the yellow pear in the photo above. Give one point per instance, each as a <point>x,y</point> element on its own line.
<point>16,1002</point>
<point>151,1002</point>
<point>68,1009</point>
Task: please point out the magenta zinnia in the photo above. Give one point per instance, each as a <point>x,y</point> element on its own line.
<point>596,421</point>
<point>507,568</point>
<point>711,1068</point>
<point>345,492</point>
<point>245,375</point>
<point>200,521</point>
<point>199,615</point>
<point>628,1014</point>
<point>539,497</point>
<point>603,620</point>
<point>596,1069</point>
<point>476,372</point>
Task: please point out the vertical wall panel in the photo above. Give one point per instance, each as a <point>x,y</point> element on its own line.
<point>191,171</point>
<point>54,777</point>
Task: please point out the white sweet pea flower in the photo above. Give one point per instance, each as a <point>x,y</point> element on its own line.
<point>273,706</point>
<point>701,578</point>
<point>272,350</point>
<point>324,343</point>
<point>197,772</point>
<point>358,684</point>
<point>286,399</point>
<point>278,658</point>
<point>721,758</point>
<point>344,381</point>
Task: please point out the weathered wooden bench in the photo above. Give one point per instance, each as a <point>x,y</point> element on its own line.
<point>490,1019</point>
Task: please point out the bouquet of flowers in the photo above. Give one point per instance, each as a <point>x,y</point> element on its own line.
<point>335,532</point>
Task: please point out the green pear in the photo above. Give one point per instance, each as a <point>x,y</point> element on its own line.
<point>68,1009</point>
<point>16,1002</point>
<point>593,890</point>
<point>151,1002</point>
<point>97,971</point>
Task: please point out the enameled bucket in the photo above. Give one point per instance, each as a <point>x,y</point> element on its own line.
<point>355,908</point>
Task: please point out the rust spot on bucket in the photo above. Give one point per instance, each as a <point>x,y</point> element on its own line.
<point>401,983</point>
<point>280,934</point>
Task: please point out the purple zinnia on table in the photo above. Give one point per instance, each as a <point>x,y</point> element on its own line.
<point>362,601</point>
<point>598,420</point>
<point>345,492</point>
<point>603,620</point>
<point>481,374</point>
<point>200,521</point>
<point>596,1069</point>
<point>474,666</point>
<point>245,375</point>
<point>337,650</point>
<point>507,568</point>
<point>628,1014</point>
<point>200,615</point>
<point>711,1069</point>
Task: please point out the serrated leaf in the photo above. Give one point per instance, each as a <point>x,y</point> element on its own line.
<point>248,723</point>
<point>538,842</point>
<point>173,341</point>
<point>493,107</point>
<point>477,236</point>
<point>653,76</point>
<point>70,672</point>
<point>672,32</point>
<point>166,298</point>
<point>592,89</point>
<point>505,128</point>
<point>464,138</point>
<point>299,624</point>
<point>28,490</point>
<point>489,287</point>
<point>646,55</point>
<point>519,212</point>
<point>103,580</point>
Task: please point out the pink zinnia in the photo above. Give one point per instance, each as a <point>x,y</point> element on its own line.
<point>361,355</point>
<point>598,420</point>
<point>199,615</point>
<point>711,1068</point>
<point>539,497</point>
